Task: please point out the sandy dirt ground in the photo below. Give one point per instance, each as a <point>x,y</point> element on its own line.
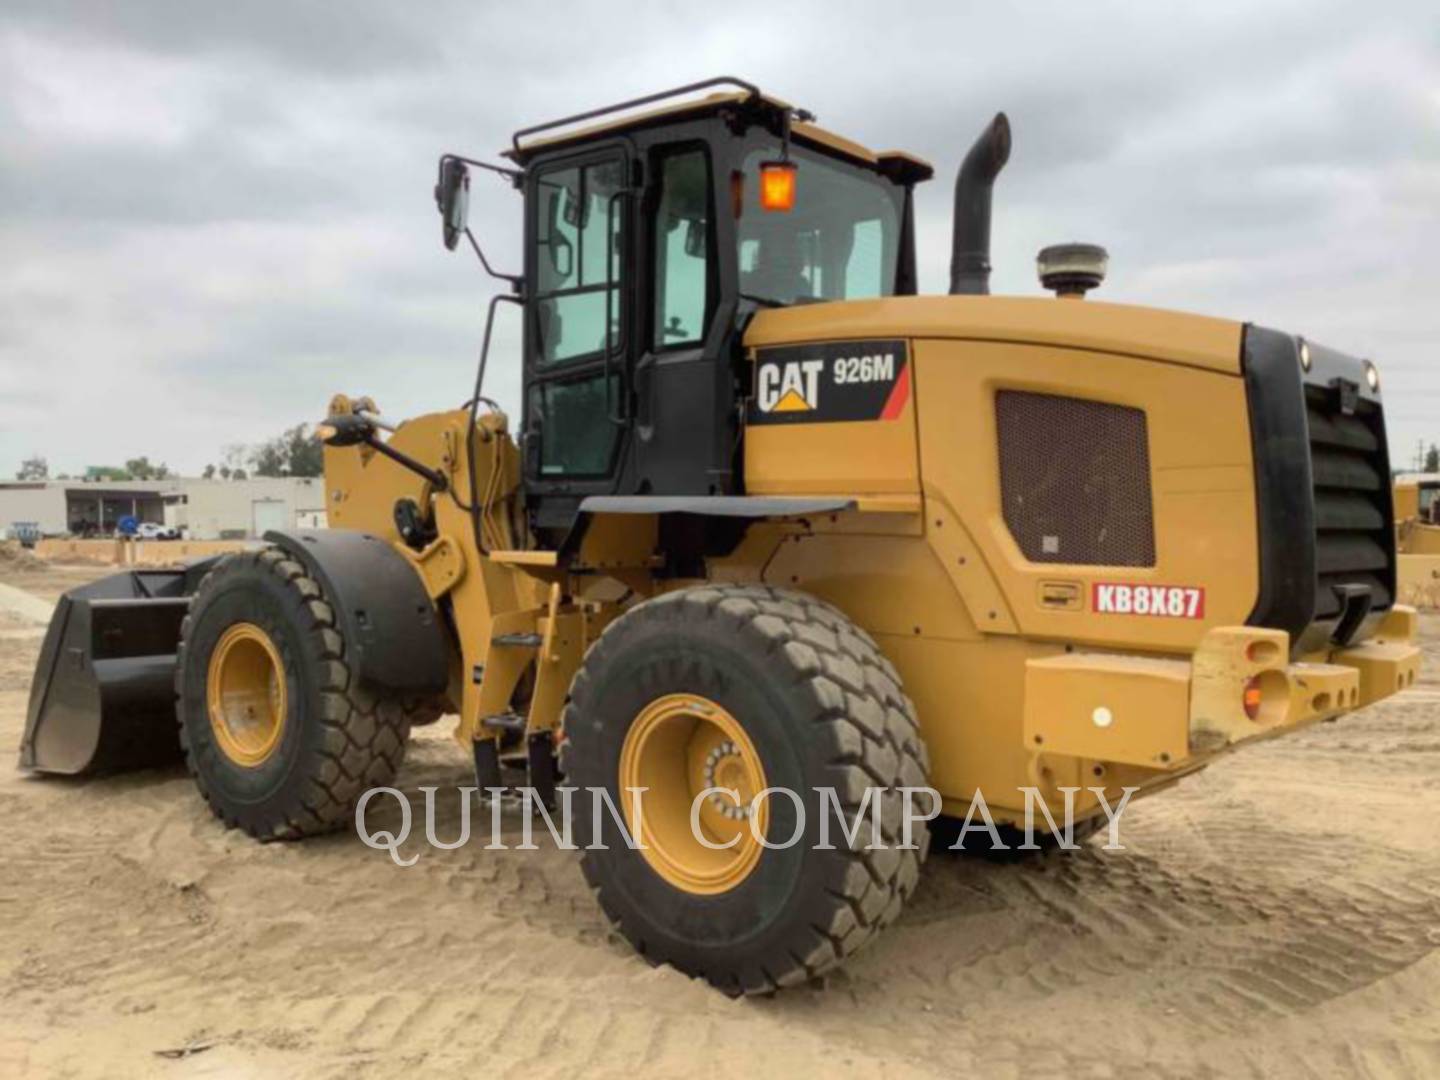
<point>1277,915</point>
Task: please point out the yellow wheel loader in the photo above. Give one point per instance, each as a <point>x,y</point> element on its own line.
<point>773,524</point>
<point>1417,525</point>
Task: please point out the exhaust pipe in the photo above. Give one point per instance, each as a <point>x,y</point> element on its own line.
<point>970,246</point>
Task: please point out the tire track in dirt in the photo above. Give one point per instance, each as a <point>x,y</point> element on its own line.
<point>1225,931</point>
<point>1244,945</point>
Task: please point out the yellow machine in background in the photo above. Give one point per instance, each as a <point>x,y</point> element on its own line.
<point>773,522</point>
<point>1417,524</point>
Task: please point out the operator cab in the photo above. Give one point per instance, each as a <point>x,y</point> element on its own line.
<point>650,240</point>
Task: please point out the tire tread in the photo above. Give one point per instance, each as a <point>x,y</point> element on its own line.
<point>364,732</point>
<point>871,737</point>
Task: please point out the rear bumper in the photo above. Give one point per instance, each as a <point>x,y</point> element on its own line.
<point>1419,580</point>
<point>1169,714</point>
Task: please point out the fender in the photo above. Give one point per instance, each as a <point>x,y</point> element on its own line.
<point>390,623</point>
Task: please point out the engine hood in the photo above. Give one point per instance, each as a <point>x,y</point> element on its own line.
<point>1170,336</point>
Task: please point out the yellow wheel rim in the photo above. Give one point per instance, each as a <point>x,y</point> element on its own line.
<point>678,746</point>
<point>245,694</point>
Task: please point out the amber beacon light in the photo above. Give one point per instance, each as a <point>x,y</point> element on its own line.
<point>777,185</point>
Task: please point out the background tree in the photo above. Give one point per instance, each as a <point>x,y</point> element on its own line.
<point>141,469</point>
<point>307,455</point>
<point>106,472</point>
<point>33,468</point>
<point>294,452</point>
<point>209,473</point>
<point>269,458</point>
<point>1432,459</point>
<point>233,458</point>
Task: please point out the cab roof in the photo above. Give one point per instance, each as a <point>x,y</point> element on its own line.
<point>803,130</point>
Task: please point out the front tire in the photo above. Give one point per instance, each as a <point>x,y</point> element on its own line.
<point>743,687</point>
<point>279,735</point>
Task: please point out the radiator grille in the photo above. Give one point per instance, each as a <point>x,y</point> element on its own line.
<point>1075,479</point>
<point>1352,532</point>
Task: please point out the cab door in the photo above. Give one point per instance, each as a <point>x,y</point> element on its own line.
<point>577,325</point>
<point>685,422</point>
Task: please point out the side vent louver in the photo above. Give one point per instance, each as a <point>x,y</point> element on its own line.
<point>1352,531</point>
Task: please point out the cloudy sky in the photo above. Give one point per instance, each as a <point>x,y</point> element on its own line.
<point>214,215</point>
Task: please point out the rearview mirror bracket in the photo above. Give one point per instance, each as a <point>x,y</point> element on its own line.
<point>452,199</point>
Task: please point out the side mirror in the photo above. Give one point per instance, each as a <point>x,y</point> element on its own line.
<point>695,238</point>
<point>452,199</point>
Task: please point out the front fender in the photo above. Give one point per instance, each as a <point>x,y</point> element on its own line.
<point>391,626</point>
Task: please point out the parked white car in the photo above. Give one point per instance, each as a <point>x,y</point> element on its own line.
<point>149,530</point>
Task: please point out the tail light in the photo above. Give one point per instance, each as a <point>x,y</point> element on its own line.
<point>1253,698</point>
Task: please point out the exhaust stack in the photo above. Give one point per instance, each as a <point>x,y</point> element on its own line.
<point>970,246</point>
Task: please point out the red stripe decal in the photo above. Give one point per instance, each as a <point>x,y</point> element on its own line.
<point>899,394</point>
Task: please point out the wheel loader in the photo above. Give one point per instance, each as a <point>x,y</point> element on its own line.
<point>1417,530</point>
<point>771,521</point>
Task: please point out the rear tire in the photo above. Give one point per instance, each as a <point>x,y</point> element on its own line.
<point>335,739</point>
<point>818,706</point>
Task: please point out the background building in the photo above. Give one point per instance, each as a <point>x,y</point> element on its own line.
<point>201,509</point>
<point>235,509</point>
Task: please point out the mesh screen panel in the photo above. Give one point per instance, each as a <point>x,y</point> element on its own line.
<point>1075,479</point>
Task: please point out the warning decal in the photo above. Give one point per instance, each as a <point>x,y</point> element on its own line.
<point>837,380</point>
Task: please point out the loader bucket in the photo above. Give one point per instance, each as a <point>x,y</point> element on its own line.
<point>103,696</point>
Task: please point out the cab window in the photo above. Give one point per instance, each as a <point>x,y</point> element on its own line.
<point>577,314</point>
<point>683,250</point>
<point>840,241</point>
<point>577,437</point>
<point>578,226</point>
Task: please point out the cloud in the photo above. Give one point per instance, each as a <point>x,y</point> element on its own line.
<point>303,35</point>
<point>213,217</point>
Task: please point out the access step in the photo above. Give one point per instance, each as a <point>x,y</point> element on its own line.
<point>506,722</point>
<point>517,641</point>
<point>540,768</point>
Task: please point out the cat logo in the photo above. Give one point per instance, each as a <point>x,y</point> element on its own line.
<point>789,388</point>
<point>830,382</point>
